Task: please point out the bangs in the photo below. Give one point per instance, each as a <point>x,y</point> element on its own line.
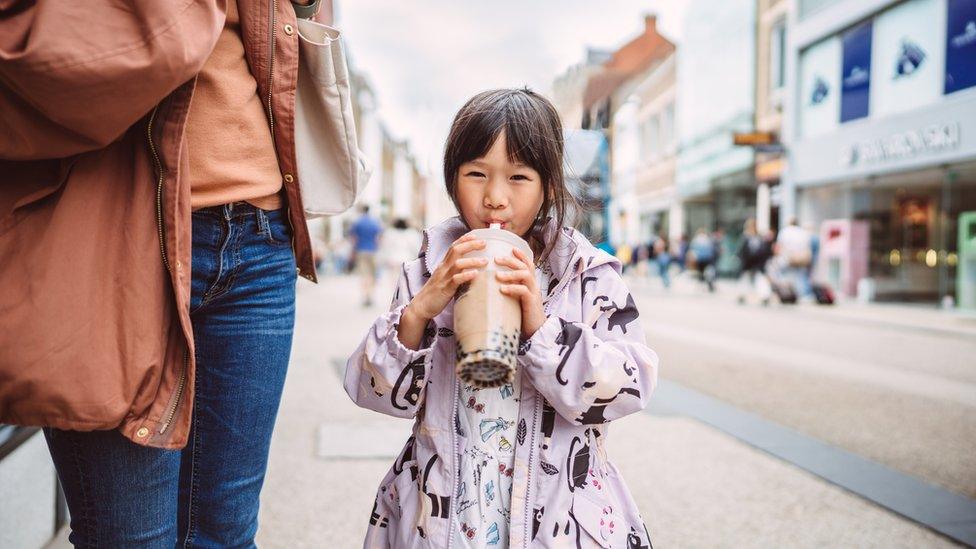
<point>512,115</point>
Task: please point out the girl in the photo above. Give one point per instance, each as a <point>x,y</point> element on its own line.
<point>523,464</point>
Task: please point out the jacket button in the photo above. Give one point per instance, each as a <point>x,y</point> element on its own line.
<point>142,432</point>
<point>289,30</point>
<point>289,178</point>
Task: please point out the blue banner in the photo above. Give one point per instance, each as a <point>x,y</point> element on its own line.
<point>960,59</point>
<point>856,75</point>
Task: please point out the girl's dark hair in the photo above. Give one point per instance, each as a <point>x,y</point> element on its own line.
<point>534,137</point>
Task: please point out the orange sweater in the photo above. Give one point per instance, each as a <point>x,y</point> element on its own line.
<point>232,155</point>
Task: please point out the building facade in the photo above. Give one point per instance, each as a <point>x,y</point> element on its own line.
<point>882,133</point>
<point>714,179</point>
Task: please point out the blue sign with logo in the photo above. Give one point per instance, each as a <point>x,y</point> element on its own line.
<point>855,84</point>
<point>960,68</point>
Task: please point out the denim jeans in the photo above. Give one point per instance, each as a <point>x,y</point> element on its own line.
<point>243,313</point>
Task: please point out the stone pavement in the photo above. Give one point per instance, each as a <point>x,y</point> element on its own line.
<point>696,486</point>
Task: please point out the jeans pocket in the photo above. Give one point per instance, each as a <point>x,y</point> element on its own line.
<point>275,227</point>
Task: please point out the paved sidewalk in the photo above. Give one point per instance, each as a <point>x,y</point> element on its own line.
<point>923,317</point>
<point>696,486</point>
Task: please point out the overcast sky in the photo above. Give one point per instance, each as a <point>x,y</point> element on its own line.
<point>425,58</point>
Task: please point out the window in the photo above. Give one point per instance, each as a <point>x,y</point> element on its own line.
<point>667,129</point>
<point>777,55</point>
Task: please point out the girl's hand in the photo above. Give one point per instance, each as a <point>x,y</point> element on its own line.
<point>444,281</point>
<point>520,282</point>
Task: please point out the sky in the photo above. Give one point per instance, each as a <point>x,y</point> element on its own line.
<point>425,58</point>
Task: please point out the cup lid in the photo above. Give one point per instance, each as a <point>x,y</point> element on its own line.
<point>495,232</point>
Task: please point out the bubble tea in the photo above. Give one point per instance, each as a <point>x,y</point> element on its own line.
<point>488,323</point>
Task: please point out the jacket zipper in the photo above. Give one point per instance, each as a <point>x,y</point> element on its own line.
<point>161,229</point>
<point>274,37</point>
<point>527,519</point>
<point>454,467</point>
<point>180,385</point>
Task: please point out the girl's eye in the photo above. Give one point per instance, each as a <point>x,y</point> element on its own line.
<point>474,174</point>
<point>520,177</point>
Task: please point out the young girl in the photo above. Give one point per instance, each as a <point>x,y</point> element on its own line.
<point>522,465</point>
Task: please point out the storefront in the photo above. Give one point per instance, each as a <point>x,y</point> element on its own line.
<point>886,136</point>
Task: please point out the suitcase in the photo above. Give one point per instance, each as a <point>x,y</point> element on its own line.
<point>784,291</point>
<point>823,294</point>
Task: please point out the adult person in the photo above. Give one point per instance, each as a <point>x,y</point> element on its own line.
<point>794,250</point>
<point>399,245</point>
<point>151,146</point>
<point>754,252</point>
<point>365,233</point>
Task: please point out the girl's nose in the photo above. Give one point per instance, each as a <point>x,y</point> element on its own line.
<point>495,196</point>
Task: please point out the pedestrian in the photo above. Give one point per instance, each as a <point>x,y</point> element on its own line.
<point>525,461</point>
<point>365,233</point>
<point>662,258</point>
<point>701,254</point>
<point>151,146</point>
<point>398,245</point>
<point>794,252</point>
<point>754,252</point>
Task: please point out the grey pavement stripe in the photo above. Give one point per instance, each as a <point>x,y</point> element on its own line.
<point>947,513</point>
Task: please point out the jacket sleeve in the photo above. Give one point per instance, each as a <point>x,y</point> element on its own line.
<point>598,370</point>
<point>74,76</point>
<point>384,375</point>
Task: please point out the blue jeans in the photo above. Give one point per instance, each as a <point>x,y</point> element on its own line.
<point>243,312</point>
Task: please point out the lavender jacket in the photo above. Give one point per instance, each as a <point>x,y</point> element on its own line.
<point>587,365</point>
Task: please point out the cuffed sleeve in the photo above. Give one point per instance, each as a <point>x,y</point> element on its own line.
<point>384,375</point>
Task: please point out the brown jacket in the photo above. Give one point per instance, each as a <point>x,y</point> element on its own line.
<point>95,229</point>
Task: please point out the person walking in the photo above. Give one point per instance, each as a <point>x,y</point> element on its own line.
<point>662,258</point>
<point>399,244</point>
<point>701,251</point>
<point>365,233</point>
<point>151,145</point>
<point>794,252</point>
<point>754,253</point>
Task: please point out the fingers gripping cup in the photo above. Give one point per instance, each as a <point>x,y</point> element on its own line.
<point>487,323</point>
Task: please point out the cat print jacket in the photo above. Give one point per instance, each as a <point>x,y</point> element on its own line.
<point>587,365</point>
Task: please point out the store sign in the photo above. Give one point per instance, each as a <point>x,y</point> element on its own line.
<point>906,71</point>
<point>960,49</point>
<point>856,76</point>
<point>902,145</point>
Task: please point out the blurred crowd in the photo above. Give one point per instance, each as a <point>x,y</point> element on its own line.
<point>768,265</point>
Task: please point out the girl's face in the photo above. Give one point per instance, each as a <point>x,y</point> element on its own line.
<point>492,189</point>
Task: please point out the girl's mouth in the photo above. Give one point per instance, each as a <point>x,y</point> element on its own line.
<point>490,222</point>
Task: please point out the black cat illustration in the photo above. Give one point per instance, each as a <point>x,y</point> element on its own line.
<point>405,456</point>
<point>596,414</point>
<point>548,423</point>
<point>439,505</point>
<point>568,336</point>
<point>537,515</point>
<point>634,540</point>
<point>376,519</point>
<point>578,463</point>
<point>412,374</point>
<point>621,316</point>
